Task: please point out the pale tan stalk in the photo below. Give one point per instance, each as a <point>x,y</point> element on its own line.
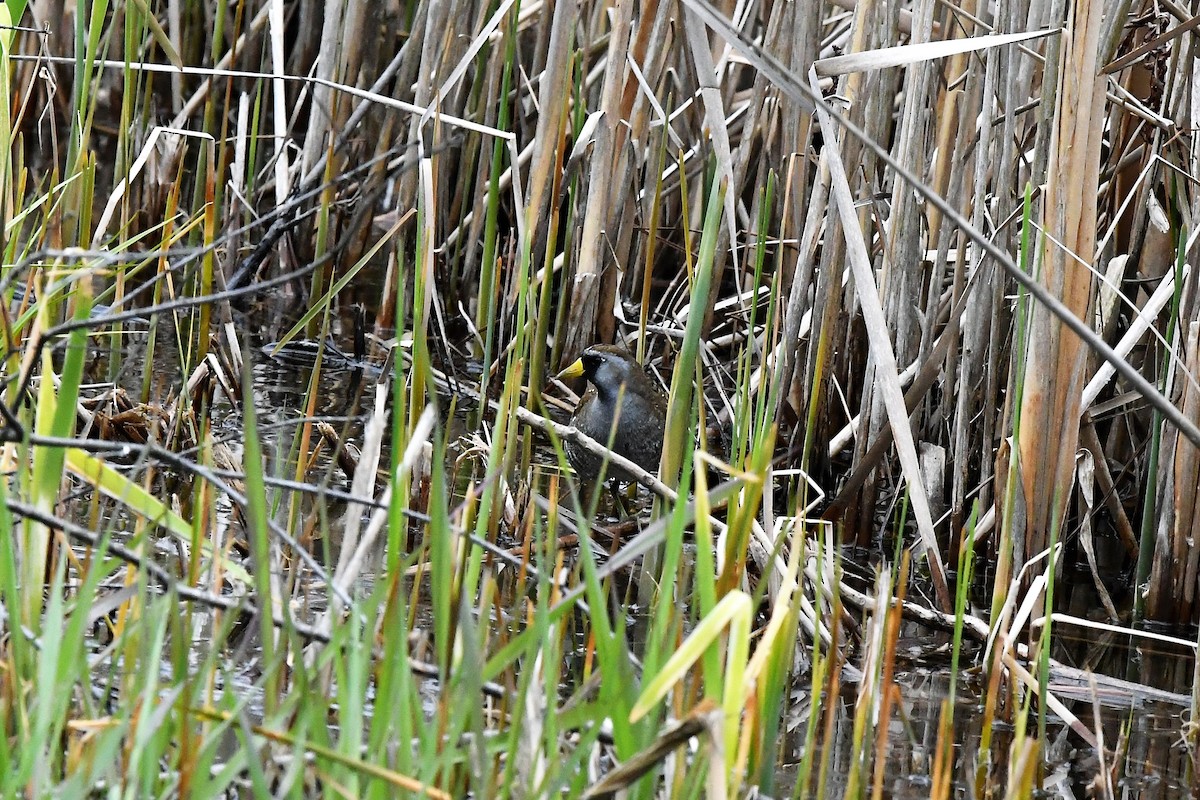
<point>1055,361</point>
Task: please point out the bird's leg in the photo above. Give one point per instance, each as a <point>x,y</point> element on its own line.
<point>614,488</point>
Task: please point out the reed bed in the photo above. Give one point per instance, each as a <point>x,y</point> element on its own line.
<point>916,277</point>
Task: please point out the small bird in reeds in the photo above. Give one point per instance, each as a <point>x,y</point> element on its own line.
<point>622,405</point>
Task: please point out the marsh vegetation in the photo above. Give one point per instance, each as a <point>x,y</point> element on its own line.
<point>285,289</point>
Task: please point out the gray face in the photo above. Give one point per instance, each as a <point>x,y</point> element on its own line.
<point>606,372</point>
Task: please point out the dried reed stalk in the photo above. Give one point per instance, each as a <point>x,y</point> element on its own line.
<point>1055,361</point>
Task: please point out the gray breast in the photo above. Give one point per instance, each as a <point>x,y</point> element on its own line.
<point>641,444</point>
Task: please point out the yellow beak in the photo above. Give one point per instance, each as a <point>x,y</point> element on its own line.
<point>573,371</point>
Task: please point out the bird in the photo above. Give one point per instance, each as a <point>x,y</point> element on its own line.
<point>615,377</point>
